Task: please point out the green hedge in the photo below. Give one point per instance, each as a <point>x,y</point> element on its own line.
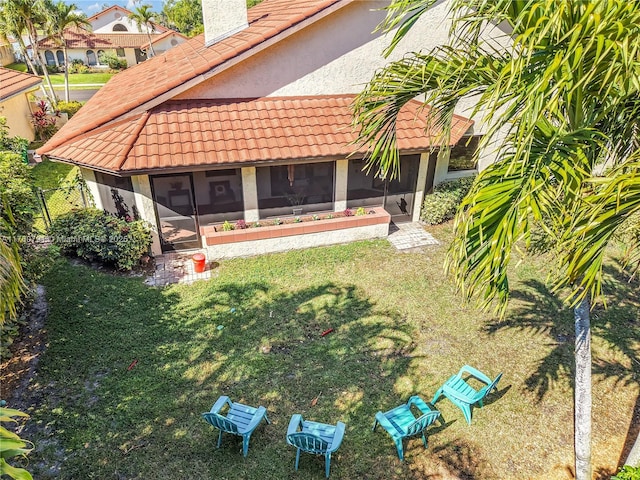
<point>96,235</point>
<point>442,204</point>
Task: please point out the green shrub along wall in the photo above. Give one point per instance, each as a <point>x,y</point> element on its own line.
<point>442,204</point>
<point>95,235</point>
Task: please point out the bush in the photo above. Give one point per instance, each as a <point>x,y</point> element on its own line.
<point>16,193</point>
<point>442,204</point>
<point>114,62</point>
<point>13,144</point>
<point>627,473</point>
<point>70,108</point>
<point>96,235</point>
<point>78,67</point>
<point>50,69</point>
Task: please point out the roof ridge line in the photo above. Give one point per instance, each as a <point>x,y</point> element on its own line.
<point>151,103</point>
<point>133,138</point>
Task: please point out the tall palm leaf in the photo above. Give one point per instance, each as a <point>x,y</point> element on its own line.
<point>566,92</point>
<point>143,16</point>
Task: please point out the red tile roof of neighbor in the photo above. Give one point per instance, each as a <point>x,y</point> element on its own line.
<point>81,38</point>
<point>145,82</point>
<point>13,82</point>
<point>200,133</point>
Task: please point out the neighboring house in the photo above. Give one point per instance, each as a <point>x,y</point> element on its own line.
<point>15,88</point>
<point>253,119</point>
<point>111,32</point>
<point>6,54</point>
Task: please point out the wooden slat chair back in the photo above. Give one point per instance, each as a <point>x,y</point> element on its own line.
<point>463,395</point>
<point>239,420</point>
<point>400,422</point>
<point>308,442</point>
<point>221,422</point>
<point>421,424</point>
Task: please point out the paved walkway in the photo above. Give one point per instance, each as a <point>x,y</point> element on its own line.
<point>409,236</point>
<point>178,268</point>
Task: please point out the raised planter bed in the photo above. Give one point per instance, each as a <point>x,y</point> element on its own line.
<point>307,226</point>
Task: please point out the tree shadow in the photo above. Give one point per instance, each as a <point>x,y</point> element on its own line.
<point>540,312</point>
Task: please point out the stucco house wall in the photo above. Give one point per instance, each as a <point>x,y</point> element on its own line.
<point>17,112</point>
<point>6,55</point>
<point>104,22</point>
<point>345,56</point>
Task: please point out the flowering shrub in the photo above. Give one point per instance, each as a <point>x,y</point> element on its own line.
<point>241,225</point>
<point>44,122</point>
<point>348,212</point>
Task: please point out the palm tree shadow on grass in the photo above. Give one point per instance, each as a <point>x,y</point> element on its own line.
<point>543,313</point>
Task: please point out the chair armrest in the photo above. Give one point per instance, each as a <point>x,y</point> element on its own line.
<point>476,373</point>
<point>257,418</point>
<point>420,403</point>
<point>448,391</point>
<point>220,403</point>
<point>388,426</point>
<point>294,423</point>
<point>337,437</point>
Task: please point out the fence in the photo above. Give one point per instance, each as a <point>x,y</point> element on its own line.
<point>58,201</point>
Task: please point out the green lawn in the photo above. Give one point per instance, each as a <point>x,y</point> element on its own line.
<point>399,330</point>
<point>20,67</point>
<point>80,78</point>
<point>49,176</point>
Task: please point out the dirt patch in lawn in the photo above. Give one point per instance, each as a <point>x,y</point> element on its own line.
<point>18,371</point>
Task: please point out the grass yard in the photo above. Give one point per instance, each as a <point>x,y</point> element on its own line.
<point>400,330</point>
<point>49,176</point>
<point>80,78</point>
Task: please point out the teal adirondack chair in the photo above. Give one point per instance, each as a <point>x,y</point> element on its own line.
<point>463,395</point>
<point>313,437</point>
<point>240,420</point>
<point>401,423</point>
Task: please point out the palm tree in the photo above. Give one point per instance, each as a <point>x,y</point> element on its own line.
<point>143,15</point>
<point>27,17</point>
<point>12,25</point>
<point>62,16</point>
<point>567,93</point>
<point>12,285</point>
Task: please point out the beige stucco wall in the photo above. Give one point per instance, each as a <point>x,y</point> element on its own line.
<point>144,204</point>
<point>105,23</point>
<point>167,43</point>
<point>6,55</point>
<point>335,55</point>
<point>17,112</point>
<point>296,242</point>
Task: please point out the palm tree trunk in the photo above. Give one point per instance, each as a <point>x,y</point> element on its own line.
<point>33,39</point>
<point>153,53</point>
<point>23,51</point>
<point>582,388</point>
<point>66,73</point>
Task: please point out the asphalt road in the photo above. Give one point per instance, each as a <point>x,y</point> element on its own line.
<point>80,95</point>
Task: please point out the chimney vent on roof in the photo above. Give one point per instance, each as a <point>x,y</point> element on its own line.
<point>223,18</point>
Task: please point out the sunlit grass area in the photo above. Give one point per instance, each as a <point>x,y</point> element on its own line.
<point>130,368</point>
<point>81,78</point>
<point>50,176</point>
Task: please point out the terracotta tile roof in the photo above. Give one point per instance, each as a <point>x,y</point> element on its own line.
<point>81,38</point>
<point>95,16</point>
<point>156,39</point>
<point>13,82</point>
<point>199,133</point>
<point>145,82</point>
